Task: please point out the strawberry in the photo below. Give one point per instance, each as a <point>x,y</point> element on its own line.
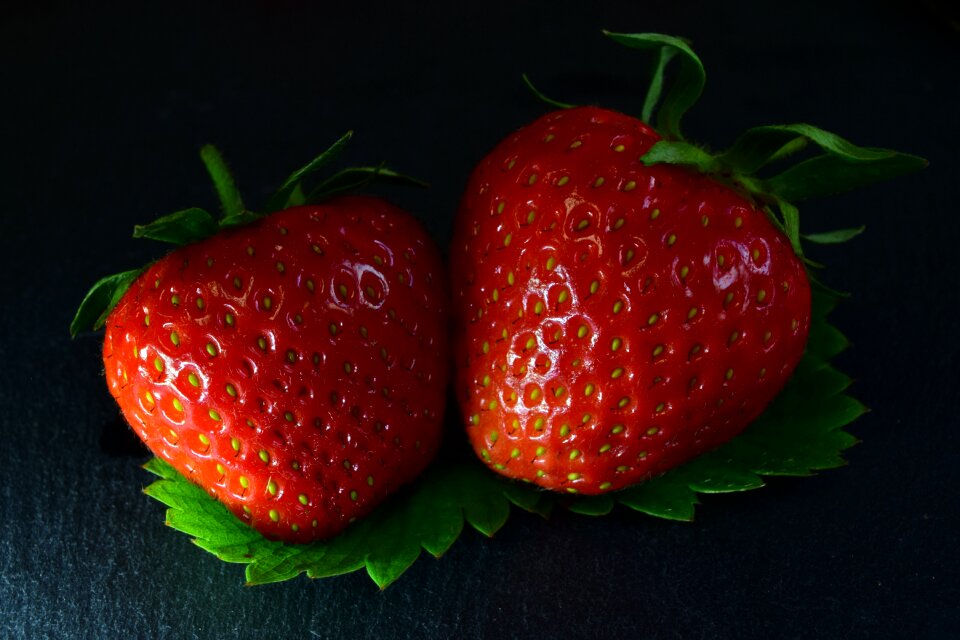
<point>293,366</point>
<point>624,300</point>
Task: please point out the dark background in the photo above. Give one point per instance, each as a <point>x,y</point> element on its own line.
<point>102,111</point>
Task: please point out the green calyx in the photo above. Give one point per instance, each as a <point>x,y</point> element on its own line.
<point>836,166</point>
<point>195,224</point>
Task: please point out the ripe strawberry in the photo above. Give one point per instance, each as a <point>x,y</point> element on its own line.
<point>617,317</point>
<point>293,367</point>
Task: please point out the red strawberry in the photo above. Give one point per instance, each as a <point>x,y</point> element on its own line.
<point>294,367</point>
<point>617,317</point>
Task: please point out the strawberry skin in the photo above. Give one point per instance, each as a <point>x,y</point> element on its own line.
<point>295,368</point>
<point>613,319</point>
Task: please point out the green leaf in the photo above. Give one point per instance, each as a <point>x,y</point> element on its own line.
<point>179,228</point>
<point>834,237</point>
<point>238,220</point>
<point>828,174</point>
<point>681,153</point>
<point>656,83</point>
<point>281,199</point>
<point>101,299</point>
<point>550,101</point>
<point>230,201</point>
<point>357,177</point>
<point>800,433</point>
<point>685,89</point>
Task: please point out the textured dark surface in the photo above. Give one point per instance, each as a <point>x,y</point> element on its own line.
<point>103,111</point>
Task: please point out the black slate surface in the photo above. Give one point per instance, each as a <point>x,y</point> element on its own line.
<point>103,108</point>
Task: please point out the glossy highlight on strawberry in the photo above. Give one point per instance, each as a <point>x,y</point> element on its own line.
<point>615,319</point>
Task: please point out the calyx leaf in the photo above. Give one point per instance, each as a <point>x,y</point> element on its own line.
<point>101,299</point>
<point>686,88</point>
<point>280,199</point>
<point>179,228</point>
<point>540,96</point>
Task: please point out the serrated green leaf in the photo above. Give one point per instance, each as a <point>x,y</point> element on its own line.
<point>828,174</point>
<point>231,203</point>
<point>592,505</point>
<point>179,228</point>
<point>101,299</point>
<point>281,199</point>
<point>664,497</point>
<point>686,87</point>
<point>540,96</point>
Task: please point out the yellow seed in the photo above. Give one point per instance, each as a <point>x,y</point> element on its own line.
<point>537,424</point>
<point>507,239</point>
<point>605,448</point>
<point>616,373</point>
<point>563,296</point>
<point>618,306</point>
<point>598,182</point>
<point>684,270</point>
<point>535,393</point>
<point>530,344</point>
<point>657,350</point>
<point>538,307</point>
<point>619,148</point>
<point>761,295</point>
<point>244,482</point>
<point>214,415</point>
<point>615,344</point>
<point>594,286</point>
<point>617,429</point>
<point>655,214</point>
<point>272,487</point>
<point>531,217</point>
<point>562,181</point>
<point>582,331</point>
<point>564,431</point>
<point>624,401</point>
<point>630,186</point>
<point>177,404</point>
<point>231,390</point>
<point>588,390</point>
<point>510,278</point>
<point>652,320</point>
<point>274,515</point>
<point>264,455</point>
<point>500,207</point>
<point>671,239</point>
<point>583,224</point>
<point>692,313</point>
<point>575,144</point>
<point>175,339</point>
